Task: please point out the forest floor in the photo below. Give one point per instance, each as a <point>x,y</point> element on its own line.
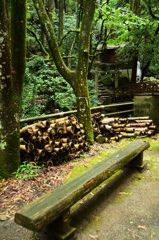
<point>124,208</point>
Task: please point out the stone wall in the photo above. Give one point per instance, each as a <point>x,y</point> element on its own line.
<point>147,105</point>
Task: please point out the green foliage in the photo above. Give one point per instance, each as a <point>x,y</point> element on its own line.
<point>107,80</point>
<point>44,89</point>
<point>27,170</point>
<point>118,22</point>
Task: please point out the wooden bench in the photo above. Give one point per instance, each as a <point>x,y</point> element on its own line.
<point>53,208</point>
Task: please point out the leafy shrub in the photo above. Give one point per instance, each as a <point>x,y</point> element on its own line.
<point>27,170</point>
<point>44,89</point>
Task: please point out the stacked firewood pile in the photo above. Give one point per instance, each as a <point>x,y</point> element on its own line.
<point>51,142</point>
<point>117,128</point>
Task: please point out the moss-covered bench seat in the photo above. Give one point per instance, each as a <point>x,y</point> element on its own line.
<point>53,208</point>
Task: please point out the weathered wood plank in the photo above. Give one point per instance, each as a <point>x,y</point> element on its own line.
<point>47,208</point>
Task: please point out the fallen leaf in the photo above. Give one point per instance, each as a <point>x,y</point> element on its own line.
<point>142,227</point>
<point>93,236</point>
<point>123,193</point>
<point>134,235</point>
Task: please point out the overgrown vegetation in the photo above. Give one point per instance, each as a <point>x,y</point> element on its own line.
<point>45,91</point>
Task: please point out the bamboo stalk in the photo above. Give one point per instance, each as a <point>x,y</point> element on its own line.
<point>107,120</point>
<point>130,130</point>
<point>117,129</point>
<point>152,127</point>
<point>65,140</point>
<point>129,135</point>
<point>62,119</point>
<point>22,141</point>
<point>145,121</point>
<point>138,118</point>
<point>49,163</point>
<point>58,143</point>
<point>116,125</point>
<point>70,129</point>
<point>108,127</point>
<point>136,125</point>
<point>47,148</point>
<point>24,148</point>
<point>26,131</point>
<point>40,125</point>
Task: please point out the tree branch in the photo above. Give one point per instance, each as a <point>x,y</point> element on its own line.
<point>38,41</point>
<point>52,42</point>
<point>70,31</point>
<point>150,10</point>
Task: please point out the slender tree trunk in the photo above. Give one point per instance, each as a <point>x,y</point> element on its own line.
<point>75,34</point>
<point>78,78</point>
<point>12,67</point>
<point>83,101</point>
<point>61,7</point>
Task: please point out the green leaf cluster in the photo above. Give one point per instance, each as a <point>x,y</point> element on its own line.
<point>44,89</point>
<point>27,170</point>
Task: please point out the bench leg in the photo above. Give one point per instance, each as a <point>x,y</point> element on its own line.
<point>137,163</point>
<point>61,228</point>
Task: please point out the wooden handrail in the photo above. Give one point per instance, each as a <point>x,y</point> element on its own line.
<point>55,115</point>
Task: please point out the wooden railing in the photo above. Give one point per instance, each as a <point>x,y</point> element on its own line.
<point>130,90</point>
<point>61,114</point>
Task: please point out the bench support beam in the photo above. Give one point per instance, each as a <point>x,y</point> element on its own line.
<point>137,163</point>
<point>61,227</point>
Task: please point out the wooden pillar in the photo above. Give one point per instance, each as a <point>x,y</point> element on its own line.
<point>96,81</point>
<point>137,163</point>
<point>61,228</point>
<point>116,77</point>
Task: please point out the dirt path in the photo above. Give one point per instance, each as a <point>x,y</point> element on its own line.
<point>126,208</point>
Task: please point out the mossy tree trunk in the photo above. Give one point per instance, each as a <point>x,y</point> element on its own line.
<point>12,68</point>
<point>78,78</point>
<point>61,7</point>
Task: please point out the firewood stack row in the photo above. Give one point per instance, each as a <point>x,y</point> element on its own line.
<point>52,142</point>
<point>117,128</point>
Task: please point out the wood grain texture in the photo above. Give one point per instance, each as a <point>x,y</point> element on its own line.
<point>47,208</point>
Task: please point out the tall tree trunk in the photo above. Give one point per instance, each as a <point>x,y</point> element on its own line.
<point>74,39</point>
<point>61,7</point>
<point>78,78</point>
<point>81,88</point>
<point>135,58</point>
<point>12,67</point>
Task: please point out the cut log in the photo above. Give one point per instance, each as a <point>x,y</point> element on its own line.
<point>136,125</point>
<point>118,125</point>
<point>152,127</point>
<point>26,131</point>
<point>129,130</point>
<point>47,148</point>
<point>107,120</point>
<point>128,135</point>
<point>145,121</point>
<point>138,118</point>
